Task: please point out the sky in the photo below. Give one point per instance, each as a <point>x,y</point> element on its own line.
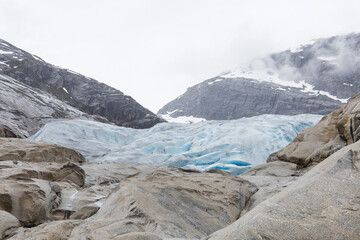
<point>153,50</point>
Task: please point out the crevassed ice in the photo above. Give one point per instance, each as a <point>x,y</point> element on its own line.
<point>232,145</point>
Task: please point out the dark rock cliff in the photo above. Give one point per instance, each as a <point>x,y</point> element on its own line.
<point>83,93</point>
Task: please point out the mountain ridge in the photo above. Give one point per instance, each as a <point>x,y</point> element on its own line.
<point>85,94</point>
<point>319,76</point>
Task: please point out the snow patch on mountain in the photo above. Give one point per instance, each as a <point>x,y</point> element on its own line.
<point>327,58</point>
<point>6,52</point>
<point>217,80</point>
<point>181,119</point>
<point>299,48</point>
<point>308,88</point>
<point>268,75</point>
<point>65,90</point>
<point>231,145</point>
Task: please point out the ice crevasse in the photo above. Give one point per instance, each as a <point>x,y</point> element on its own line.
<point>231,145</point>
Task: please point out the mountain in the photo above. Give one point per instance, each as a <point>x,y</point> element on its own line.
<point>24,110</point>
<point>80,92</point>
<point>314,78</point>
<point>233,145</point>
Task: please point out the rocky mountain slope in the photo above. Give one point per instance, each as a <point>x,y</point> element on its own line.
<point>315,78</point>
<point>24,109</point>
<point>82,93</point>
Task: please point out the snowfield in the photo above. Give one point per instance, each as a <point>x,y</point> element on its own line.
<point>232,145</point>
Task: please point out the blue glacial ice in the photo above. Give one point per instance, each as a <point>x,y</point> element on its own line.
<point>232,145</point>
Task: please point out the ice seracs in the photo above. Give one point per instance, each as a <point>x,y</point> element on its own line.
<point>232,145</point>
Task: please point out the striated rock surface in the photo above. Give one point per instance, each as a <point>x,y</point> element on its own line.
<point>333,132</point>
<point>4,132</point>
<point>29,200</point>
<point>322,204</point>
<point>271,178</point>
<point>171,202</point>
<point>153,203</point>
<point>7,223</point>
<point>24,150</point>
<point>29,190</point>
<point>82,93</point>
<point>24,110</point>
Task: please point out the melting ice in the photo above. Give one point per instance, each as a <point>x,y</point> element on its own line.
<point>232,145</point>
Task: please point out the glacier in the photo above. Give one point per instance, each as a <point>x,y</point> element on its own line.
<point>231,145</point>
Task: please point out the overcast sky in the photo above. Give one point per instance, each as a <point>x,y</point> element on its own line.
<point>154,49</point>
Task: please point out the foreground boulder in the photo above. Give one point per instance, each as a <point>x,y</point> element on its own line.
<point>24,150</point>
<point>156,203</point>
<point>175,203</point>
<point>28,175</point>
<point>333,132</point>
<point>29,190</point>
<point>322,204</point>
<point>271,178</point>
<point>29,200</point>
<point>7,223</point>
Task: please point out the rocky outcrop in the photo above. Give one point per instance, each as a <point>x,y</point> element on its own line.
<point>24,150</point>
<point>333,132</point>
<point>29,200</point>
<point>70,88</point>
<point>24,110</point>
<point>7,133</point>
<point>28,175</point>
<point>29,190</point>
<point>322,204</point>
<point>174,203</point>
<point>316,78</point>
<point>7,223</point>
<point>271,178</point>
<point>148,203</point>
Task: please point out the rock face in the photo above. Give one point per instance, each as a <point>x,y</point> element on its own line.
<point>82,93</point>
<point>316,78</point>
<point>27,182</point>
<point>322,204</point>
<point>4,132</point>
<point>236,98</point>
<point>28,172</point>
<point>314,144</point>
<point>7,222</point>
<point>270,178</point>
<point>148,203</point>
<point>29,200</point>
<point>24,150</point>
<point>175,203</point>
<point>24,110</point>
